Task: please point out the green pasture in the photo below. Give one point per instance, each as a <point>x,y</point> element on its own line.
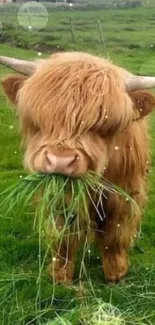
<point>130,42</point>
<point>125,35</point>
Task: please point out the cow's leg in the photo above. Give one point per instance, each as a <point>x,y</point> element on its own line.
<point>63,260</point>
<point>63,254</point>
<point>128,169</point>
<point>115,238</point>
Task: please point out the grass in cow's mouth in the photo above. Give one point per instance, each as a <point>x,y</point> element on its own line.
<point>57,195</point>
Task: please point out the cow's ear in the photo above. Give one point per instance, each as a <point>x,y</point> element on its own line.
<point>143,102</point>
<point>11,86</point>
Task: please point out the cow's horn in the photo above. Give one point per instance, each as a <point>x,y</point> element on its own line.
<point>22,66</point>
<point>138,82</point>
<point>29,67</point>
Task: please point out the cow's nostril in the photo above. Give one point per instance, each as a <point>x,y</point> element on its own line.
<point>51,162</point>
<point>74,159</point>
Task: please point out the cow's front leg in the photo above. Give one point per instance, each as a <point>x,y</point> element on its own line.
<point>114,259</point>
<point>114,241</point>
<point>61,269</point>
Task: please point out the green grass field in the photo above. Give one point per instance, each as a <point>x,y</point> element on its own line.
<point>130,43</point>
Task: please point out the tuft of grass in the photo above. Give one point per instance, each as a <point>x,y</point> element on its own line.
<point>96,313</point>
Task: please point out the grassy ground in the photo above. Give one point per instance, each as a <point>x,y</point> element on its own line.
<point>135,297</point>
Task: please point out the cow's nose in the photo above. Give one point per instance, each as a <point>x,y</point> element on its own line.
<point>61,164</point>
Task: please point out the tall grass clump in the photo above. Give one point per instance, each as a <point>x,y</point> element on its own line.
<point>96,313</point>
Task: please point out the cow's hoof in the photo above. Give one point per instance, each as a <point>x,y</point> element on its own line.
<point>59,275</point>
<point>114,278</point>
<point>115,267</point>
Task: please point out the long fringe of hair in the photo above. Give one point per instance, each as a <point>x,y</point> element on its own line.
<point>68,97</point>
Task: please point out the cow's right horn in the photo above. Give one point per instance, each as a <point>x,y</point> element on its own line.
<point>25,67</point>
<point>139,82</point>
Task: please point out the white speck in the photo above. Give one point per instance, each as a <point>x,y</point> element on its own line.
<point>106,247</point>
<point>88,251</point>
<point>98,257</point>
<point>147,268</point>
<point>141,109</point>
<point>20,176</point>
<point>105,168</point>
<point>38,255</point>
<point>127,199</point>
<point>106,116</point>
<point>118,225</point>
<point>147,162</point>
<point>71,5</point>
<point>152,45</point>
<point>39,53</point>
<point>60,227</point>
<point>135,236</point>
<point>54,259</point>
<point>30,27</point>
<point>131,148</point>
<point>116,148</point>
<point>82,122</point>
<point>15,152</point>
<point>77,157</point>
<point>11,127</point>
<point>58,46</point>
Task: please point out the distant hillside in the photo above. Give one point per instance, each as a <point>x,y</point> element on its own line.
<point>99,3</point>
<point>114,3</point>
<point>88,4</point>
<point>110,3</point>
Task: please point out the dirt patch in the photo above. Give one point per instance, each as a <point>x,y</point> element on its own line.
<point>48,48</point>
<point>39,47</point>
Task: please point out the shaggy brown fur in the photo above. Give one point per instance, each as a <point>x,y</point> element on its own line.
<point>77,102</point>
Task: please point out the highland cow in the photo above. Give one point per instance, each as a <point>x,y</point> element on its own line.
<point>78,112</point>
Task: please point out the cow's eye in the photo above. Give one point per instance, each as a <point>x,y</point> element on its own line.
<point>37,129</point>
<point>33,128</point>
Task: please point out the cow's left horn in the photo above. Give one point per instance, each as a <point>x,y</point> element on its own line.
<point>138,82</point>
<point>25,67</point>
